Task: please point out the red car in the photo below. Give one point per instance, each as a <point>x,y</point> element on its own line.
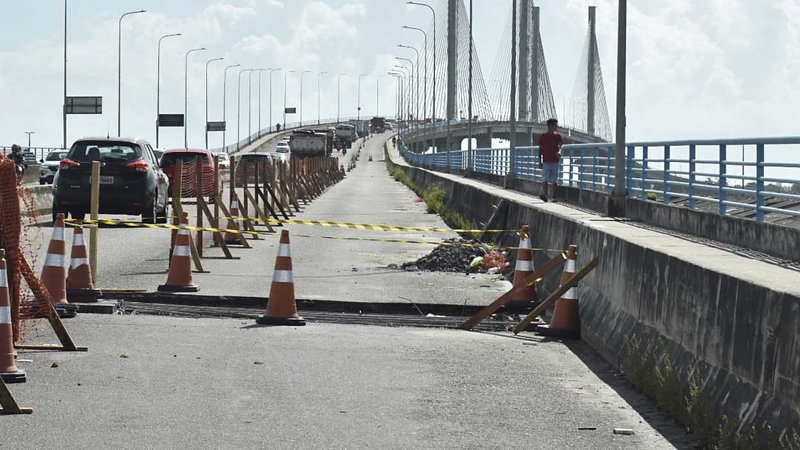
<point>189,157</point>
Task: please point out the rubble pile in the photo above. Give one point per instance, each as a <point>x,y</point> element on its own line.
<point>460,255</point>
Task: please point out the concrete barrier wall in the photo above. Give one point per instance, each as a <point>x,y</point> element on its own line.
<point>743,338</point>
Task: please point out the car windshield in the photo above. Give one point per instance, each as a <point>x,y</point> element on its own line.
<point>56,156</point>
<point>88,151</point>
<point>170,159</point>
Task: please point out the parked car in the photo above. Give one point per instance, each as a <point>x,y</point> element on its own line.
<point>224,160</point>
<point>49,166</point>
<point>169,162</point>
<point>247,166</point>
<point>131,181</point>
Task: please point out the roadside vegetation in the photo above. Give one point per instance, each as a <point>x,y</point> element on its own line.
<point>682,396</point>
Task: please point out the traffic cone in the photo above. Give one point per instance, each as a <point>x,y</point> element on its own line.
<point>281,306</point>
<point>79,275</point>
<point>179,278</point>
<point>565,321</point>
<point>54,276</point>
<point>233,223</point>
<point>8,367</point>
<point>524,267</point>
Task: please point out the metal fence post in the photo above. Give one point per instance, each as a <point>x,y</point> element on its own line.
<point>692,175</point>
<point>723,179</point>
<point>628,170</point>
<point>760,182</point>
<point>643,181</point>
<point>665,185</point>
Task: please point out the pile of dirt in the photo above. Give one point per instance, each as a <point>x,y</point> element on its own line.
<point>460,255</point>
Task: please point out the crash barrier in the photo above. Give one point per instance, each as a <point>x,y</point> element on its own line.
<point>15,269</point>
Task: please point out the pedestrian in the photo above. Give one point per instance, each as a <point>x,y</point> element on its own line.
<point>549,157</point>
<point>278,127</point>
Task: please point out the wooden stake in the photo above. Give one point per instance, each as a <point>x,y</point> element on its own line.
<point>569,283</point>
<point>548,267</point>
<point>199,198</point>
<point>7,402</point>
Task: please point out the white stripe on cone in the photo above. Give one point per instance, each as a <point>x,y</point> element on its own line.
<point>282,276</point>
<point>525,243</point>
<point>284,250</point>
<point>235,204</point>
<point>3,279</point>
<point>183,232</point>
<point>58,233</point>
<point>524,265</point>
<point>182,250</point>
<point>77,262</point>
<point>78,240</point>
<point>570,266</point>
<point>5,315</point>
<point>571,294</point>
<point>54,260</point>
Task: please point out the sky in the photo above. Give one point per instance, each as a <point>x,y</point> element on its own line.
<point>696,69</point>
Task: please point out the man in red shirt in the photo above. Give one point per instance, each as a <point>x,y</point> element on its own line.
<point>549,156</point>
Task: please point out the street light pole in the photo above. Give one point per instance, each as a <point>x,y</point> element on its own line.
<point>64,106</point>
<point>270,95</point>
<point>425,70</point>
<point>225,104</point>
<point>29,133</point>
<point>433,12</point>
<point>285,80</point>
<point>260,71</point>
<point>158,80</point>
<point>620,183</point>
<point>416,95</point>
<point>239,108</point>
<point>301,95</point>
<point>119,69</point>
<point>339,97</point>
<point>250,104</point>
<point>207,63</point>
<point>319,98</point>
<point>358,115</point>
<point>186,96</point>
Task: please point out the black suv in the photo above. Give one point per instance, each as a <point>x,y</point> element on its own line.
<point>131,181</point>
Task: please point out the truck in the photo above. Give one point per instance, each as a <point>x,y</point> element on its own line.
<point>344,135</point>
<point>307,144</point>
<point>330,136</point>
<point>377,125</point>
<point>361,127</point>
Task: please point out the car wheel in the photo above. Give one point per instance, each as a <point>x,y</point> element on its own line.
<point>163,214</point>
<point>150,215</point>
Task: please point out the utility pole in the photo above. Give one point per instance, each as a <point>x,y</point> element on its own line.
<point>29,133</point>
<point>619,147</point>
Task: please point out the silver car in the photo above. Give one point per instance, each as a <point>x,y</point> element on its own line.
<point>49,166</point>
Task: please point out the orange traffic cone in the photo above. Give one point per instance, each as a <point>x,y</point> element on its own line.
<point>79,275</point>
<point>179,278</point>
<point>54,276</point>
<point>281,306</point>
<point>8,367</point>
<point>233,223</point>
<point>524,267</point>
<point>565,321</point>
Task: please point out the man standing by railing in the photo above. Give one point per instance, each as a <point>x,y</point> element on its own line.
<point>549,157</point>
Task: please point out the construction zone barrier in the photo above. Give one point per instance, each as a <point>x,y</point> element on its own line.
<point>80,287</point>
<point>524,267</point>
<point>179,278</point>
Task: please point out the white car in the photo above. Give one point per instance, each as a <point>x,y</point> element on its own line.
<point>283,147</point>
<point>48,167</point>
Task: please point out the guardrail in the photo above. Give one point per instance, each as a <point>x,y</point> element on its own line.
<point>751,174</point>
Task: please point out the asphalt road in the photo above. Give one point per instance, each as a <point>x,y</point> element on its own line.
<point>136,258</point>
<point>160,382</point>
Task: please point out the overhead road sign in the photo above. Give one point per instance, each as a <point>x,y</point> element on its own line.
<point>170,120</point>
<point>83,105</point>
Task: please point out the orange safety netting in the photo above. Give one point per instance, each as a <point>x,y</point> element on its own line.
<point>21,237</point>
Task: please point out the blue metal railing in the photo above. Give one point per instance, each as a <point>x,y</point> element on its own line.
<point>754,176</point>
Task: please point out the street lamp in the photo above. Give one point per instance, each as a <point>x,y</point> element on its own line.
<point>270,94</point>
<point>224,102</point>
<point>260,71</point>
<point>285,80</point>
<point>29,133</point>
<point>425,70</point>
<point>186,96</point>
<point>239,108</point>
<point>358,115</point>
<point>119,70</point>
<point>207,63</point>
<point>398,106</point>
<point>433,12</point>
<point>301,95</point>
<point>339,96</point>
<point>319,98</point>
<point>416,95</point>
<point>158,80</point>
<point>250,104</point>
<point>411,81</point>
<point>378,94</point>
<point>406,74</point>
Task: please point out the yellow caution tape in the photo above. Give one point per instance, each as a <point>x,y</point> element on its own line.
<point>163,226</point>
<point>365,226</point>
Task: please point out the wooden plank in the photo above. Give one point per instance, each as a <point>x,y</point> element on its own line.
<point>260,216</point>
<point>548,267</point>
<point>569,283</point>
<point>199,198</point>
<point>7,402</point>
<point>215,224</point>
<point>227,213</point>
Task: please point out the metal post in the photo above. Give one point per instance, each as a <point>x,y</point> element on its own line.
<point>186,97</point>
<point>239,110</point>
<point>619,148</point>
<point>338,97</point>
<point>225,104</point>
<point>94,214</point>
<point>158,80</point>
<point>270,96</point>
<point>64,106</point>
<point>301,95</point>
<point>250,105</point>
<point>119,70</point>
<point>206,126</point>
<point>319,98</point>
<point>535,36</point>
<point>29,133</point>
<point>259,101</point>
